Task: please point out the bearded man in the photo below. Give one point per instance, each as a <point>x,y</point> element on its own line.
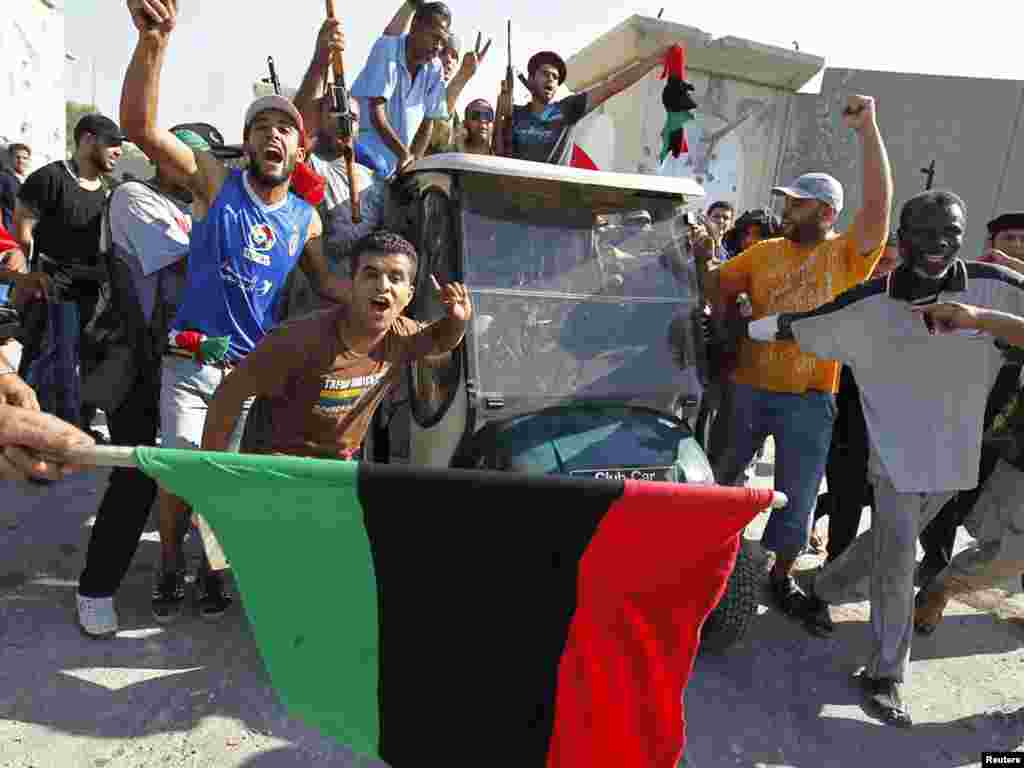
<point>779,389</point>
<point>249,232</point>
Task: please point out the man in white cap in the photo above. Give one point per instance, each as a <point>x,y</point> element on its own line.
<point>780,390</point>
<point>249,232</point>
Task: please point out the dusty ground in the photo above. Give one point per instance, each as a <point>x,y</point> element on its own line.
<point>196,694</point>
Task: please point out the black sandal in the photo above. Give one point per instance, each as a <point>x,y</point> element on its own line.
<point>817,619</point>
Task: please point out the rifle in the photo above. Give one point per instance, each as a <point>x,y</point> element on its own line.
<point>503,122</point>
<point>274,82</point>
<point>929,175</point>
<point>341,110</point>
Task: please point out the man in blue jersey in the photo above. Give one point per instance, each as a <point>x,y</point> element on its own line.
<point>248,233</point>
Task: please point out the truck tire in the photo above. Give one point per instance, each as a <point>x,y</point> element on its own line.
<point>728,622</point>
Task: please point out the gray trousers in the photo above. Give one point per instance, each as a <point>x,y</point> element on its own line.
<point>997,523</point>
<point>885,556</point>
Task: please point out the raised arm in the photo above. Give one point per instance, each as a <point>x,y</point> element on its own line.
<point>871,224</point>
<point>445,334</point>
<point>314,264</point>
<point>198,171</point>
<point>402,20</point>
<point>311,91</point>
<point>599,94</point>
<point>470,64</point>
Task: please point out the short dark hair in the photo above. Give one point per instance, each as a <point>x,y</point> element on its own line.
<point>100,126</point>
<point>16,147</point>
<point>940,197</point>
<point>384,241</point>
<point>721,204</point>
<point>426,11</point>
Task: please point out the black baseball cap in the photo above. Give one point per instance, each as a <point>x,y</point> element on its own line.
<point>1005,221</point>
<point>100,126</point>
<point>547,57</point>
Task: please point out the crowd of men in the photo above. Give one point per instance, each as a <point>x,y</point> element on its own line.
<point>849,332</point>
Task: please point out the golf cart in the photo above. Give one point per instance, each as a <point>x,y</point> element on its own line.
<point>583,356</point>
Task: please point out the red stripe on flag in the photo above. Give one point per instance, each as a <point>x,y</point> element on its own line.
<point>657,566</point>
<point>580,159</point>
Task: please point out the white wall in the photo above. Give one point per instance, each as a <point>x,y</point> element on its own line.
<point>32,78</point>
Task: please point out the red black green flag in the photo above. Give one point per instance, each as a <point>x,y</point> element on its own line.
<point>521,620</point>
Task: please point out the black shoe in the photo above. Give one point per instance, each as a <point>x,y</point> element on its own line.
<point>788,596</point>
<point>214,599</point>
<point>926,572</point>
<point>817,619</point>
<point>168,596</point>
<point>882,695</point>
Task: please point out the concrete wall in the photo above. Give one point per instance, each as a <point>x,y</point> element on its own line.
<point>971,127</point>
<point>743,90</point>
<point>740,165</point>
<point>32,78</point>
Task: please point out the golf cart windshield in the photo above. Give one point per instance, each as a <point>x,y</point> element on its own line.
<point>578,306</point>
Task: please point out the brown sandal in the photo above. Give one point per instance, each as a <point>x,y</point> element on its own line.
<point>929,606</point>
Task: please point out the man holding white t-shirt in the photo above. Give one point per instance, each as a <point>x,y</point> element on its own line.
<point>149,228</point>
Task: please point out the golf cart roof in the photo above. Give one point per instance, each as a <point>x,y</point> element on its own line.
<point>644,184</point>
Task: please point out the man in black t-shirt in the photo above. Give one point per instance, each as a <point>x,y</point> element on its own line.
<point>57,222</point>
<point>542,130</point>
<point>59,205</point>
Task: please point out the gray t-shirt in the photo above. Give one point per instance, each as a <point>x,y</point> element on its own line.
<point>548,137</point>
<point>924,395</point>
<point>150,233</point>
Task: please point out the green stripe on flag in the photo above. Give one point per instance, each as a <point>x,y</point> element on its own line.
<point>293,530</point>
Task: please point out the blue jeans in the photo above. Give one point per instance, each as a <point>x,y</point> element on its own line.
<point>53,366</point>
<point>802,428</point>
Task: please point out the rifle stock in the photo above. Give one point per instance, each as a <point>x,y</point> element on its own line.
<point>341,108</point>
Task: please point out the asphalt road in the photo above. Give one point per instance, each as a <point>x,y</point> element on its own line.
<point>196,694</point>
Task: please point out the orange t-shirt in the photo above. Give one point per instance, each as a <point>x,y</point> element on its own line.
<point>782,276</point>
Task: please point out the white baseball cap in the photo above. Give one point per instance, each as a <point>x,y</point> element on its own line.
<point>281,104</point>
<point>815,186</point>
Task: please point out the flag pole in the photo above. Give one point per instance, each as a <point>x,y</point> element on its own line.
<point>124,456</point>
<point>120,456</point>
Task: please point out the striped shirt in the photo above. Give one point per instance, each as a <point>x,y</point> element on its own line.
<point>924,395</point>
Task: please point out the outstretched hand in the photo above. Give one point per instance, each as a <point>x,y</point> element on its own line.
<point>455,298</point>
<point>948,317</point>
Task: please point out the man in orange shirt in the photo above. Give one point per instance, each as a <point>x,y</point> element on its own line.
<point>780,390</point>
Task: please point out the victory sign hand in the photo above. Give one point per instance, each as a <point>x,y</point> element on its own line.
<point>455,298</point>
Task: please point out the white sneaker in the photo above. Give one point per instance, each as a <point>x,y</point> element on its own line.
<point>96,616</point>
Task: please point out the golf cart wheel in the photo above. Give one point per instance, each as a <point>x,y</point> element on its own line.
<point>728,622</point>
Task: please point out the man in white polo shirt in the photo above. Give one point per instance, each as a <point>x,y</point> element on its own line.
<point>924,402</point>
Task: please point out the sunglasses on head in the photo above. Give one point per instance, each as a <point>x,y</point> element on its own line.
<point>484,115</point>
